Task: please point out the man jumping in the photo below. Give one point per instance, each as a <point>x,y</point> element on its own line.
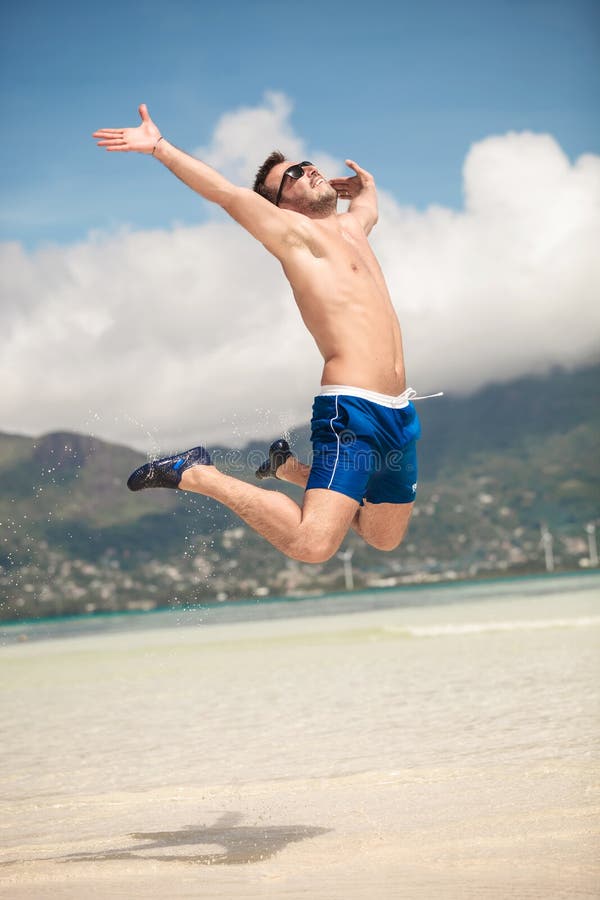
<point>364,427</point>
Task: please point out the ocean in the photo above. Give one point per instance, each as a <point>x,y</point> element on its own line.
<point>407,743</point>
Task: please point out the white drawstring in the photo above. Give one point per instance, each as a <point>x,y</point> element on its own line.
<point>410,394</point>
<point>399,402</point>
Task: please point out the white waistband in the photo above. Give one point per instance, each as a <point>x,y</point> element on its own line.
<point>399,402</point>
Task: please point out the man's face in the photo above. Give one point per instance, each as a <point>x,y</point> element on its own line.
<point>311,194</point>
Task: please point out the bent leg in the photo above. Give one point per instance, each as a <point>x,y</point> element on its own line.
<point>383,525</point>
<point>379,527</point>
<point>294,472</point>
<point>311,533</point>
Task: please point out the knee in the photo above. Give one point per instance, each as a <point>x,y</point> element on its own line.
<point>384,546</point>
<point>314,549</point>
<point>385,543</point>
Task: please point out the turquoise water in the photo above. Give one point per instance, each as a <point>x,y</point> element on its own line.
<point>286,607</point>
<point>441,738</point>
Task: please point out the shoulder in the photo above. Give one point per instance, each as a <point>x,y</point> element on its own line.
<point>275,228</point>
<point>362,215</point>
<point>351,223</point>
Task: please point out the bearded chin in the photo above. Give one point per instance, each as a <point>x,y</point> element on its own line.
<point>318,207</point>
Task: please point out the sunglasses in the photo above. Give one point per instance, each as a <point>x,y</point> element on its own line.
<point>296,171</point>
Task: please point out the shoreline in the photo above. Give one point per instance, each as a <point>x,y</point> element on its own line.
<point>316,595</point>
<point>426,747</point>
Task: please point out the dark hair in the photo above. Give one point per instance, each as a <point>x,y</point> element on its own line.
<point>260,187</point>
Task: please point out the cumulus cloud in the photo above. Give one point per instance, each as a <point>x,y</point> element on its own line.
<point>511,284</point>
<point>165,338</point>
<point>243,138</point>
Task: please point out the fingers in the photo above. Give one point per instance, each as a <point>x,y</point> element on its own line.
<point>113,143</point>
<point>108,132</point>
<point>345,187</point>
<point>111,138</point>
<point>358,169</point>
<point>343,191</point>
<point>117,143</point>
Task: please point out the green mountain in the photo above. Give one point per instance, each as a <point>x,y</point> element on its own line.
<point>494,467</point>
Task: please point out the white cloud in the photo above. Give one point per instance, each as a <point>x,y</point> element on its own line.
<point>164,339</point>
<point>512,284</point>
<point>244,138</point>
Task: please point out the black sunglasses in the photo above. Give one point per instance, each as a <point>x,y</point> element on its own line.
<point>296,171</point>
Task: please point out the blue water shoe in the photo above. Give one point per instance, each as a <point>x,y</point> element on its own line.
<point>167,472</point>
<point>279,452</point>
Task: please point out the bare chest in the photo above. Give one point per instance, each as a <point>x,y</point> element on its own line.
<point>350,253</point>
<point>343,255</point>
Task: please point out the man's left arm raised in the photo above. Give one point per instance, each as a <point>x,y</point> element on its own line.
<point>360,190</point>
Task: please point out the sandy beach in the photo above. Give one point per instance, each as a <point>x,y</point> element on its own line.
<point>425,751</point>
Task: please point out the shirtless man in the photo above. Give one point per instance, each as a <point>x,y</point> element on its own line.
<point>364,426</point>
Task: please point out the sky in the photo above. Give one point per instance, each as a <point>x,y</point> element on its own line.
<point>132,309</point>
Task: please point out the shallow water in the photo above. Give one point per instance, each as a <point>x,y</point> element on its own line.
<point>438,740</point>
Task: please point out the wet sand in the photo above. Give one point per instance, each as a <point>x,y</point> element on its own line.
<point>418,753</point>
<point>414,834</point>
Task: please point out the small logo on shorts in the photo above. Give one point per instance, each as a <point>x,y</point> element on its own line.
<point>414,488</point>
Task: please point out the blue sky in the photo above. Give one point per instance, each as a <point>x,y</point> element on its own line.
<point>111,270</point>
<point>405,88</point>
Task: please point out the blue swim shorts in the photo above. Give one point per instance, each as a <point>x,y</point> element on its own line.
<point>364,445</point>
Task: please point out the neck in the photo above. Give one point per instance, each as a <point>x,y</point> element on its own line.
<point>324,208</point>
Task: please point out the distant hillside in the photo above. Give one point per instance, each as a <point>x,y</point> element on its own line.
<point>493,467</point>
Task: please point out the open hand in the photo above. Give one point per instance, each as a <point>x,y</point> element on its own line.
<point>142,139</point>
<point>350,187</point>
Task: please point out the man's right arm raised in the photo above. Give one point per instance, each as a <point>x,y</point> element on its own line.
<point>270,225</point>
